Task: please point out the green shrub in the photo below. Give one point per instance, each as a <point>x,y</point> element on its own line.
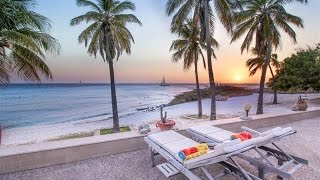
<point>299,72</point>
<point>110,130</point>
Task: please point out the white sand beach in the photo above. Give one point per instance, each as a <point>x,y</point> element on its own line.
<point>225,109</point>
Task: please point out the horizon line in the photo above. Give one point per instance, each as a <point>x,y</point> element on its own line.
<point>88,83</point>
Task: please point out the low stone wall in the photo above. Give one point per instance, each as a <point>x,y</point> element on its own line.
<point>26,157</point>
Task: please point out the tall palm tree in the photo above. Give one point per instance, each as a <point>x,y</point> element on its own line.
<point>24,41</point>
<point>203,11</point>
<point>108,36</point>
<point>256,63</point>
<point>189,47</point>
<point>263,19</point>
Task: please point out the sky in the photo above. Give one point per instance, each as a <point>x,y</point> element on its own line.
<point>150,58</point>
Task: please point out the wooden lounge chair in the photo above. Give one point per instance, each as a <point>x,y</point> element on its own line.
<point>169,143</point>
<point>287,164</point>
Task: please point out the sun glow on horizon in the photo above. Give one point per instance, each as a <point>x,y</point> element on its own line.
<point>238,78</point>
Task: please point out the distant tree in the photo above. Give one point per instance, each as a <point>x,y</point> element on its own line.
<point>256,63</point>
<point>107,35</point>
<point>189,47</point>
<point>24,40</point>
<point>299,72</point>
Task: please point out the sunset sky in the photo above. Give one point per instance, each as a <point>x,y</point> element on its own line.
<point>150,58</point>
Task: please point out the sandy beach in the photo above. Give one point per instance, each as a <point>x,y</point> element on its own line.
<point>225,109</point>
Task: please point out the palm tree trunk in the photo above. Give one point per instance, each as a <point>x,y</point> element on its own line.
<point>198,87</point>
<point>275,96</point>
<point>213,115</point>
<point>263,78</point>
<point>116,127</point>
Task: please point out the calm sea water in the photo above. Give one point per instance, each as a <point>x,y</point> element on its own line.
<point>42,104</point>
<point>27,105</point>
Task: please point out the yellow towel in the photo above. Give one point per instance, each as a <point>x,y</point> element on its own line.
<point>202,149</point>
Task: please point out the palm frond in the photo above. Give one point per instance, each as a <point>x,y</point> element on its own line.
<point>224,11</point>
<point>90,4</point>
<point>189,45</point>
<point>181,15</point>
<point>172,5</point>
<point>90,16</point>
<point>108,34</point>
<point>28,64</point>
<point>123,6</point>
<point>87,34</point>
<point>263,19</point>
<point>5,67</point>
<point>127,18</point>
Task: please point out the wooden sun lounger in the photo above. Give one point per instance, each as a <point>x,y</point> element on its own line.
<point>287,164</point>
<point>169,143</point>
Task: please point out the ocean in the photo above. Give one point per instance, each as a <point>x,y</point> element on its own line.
<point>24,105</point>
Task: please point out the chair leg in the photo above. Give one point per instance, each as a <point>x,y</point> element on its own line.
<point>280,163</point>
<point>260,172</point>
<point>152,157</point>
<point>244,173</point>
<point>206,172</point>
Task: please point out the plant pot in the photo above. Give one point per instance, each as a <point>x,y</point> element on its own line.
<point>165,126</point>
<point>303,106</point>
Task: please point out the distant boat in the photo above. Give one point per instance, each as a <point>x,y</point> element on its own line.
<point>163,82</point>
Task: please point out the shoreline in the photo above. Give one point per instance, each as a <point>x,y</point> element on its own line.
<point>225,109</point>
<point>223,92</point>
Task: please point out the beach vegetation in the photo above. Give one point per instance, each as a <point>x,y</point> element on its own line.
<point>111,131</point>
<point>107,35</point>
<point>299,73</point>
<point>189,48</point>
<point>227,91</point>
<point>262,21</point>
<point>24,41</point>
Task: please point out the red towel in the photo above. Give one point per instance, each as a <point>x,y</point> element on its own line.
<point>245,136</point>
<point>189,151</point>
<point>242,136</point>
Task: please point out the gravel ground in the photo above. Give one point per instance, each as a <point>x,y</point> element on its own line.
<point>136,165</point>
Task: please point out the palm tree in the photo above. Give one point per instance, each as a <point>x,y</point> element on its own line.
<point>263,19</point>
<point>256,63</point>
<point>108,35</point>
<point>24,41</point>
<point>188,47</point>
<point>204,13</point>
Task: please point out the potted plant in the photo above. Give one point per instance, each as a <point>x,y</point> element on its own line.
<point>301,104</point>
<point>164,124</point>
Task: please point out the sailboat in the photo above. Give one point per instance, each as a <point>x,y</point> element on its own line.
<point>163,82</point>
